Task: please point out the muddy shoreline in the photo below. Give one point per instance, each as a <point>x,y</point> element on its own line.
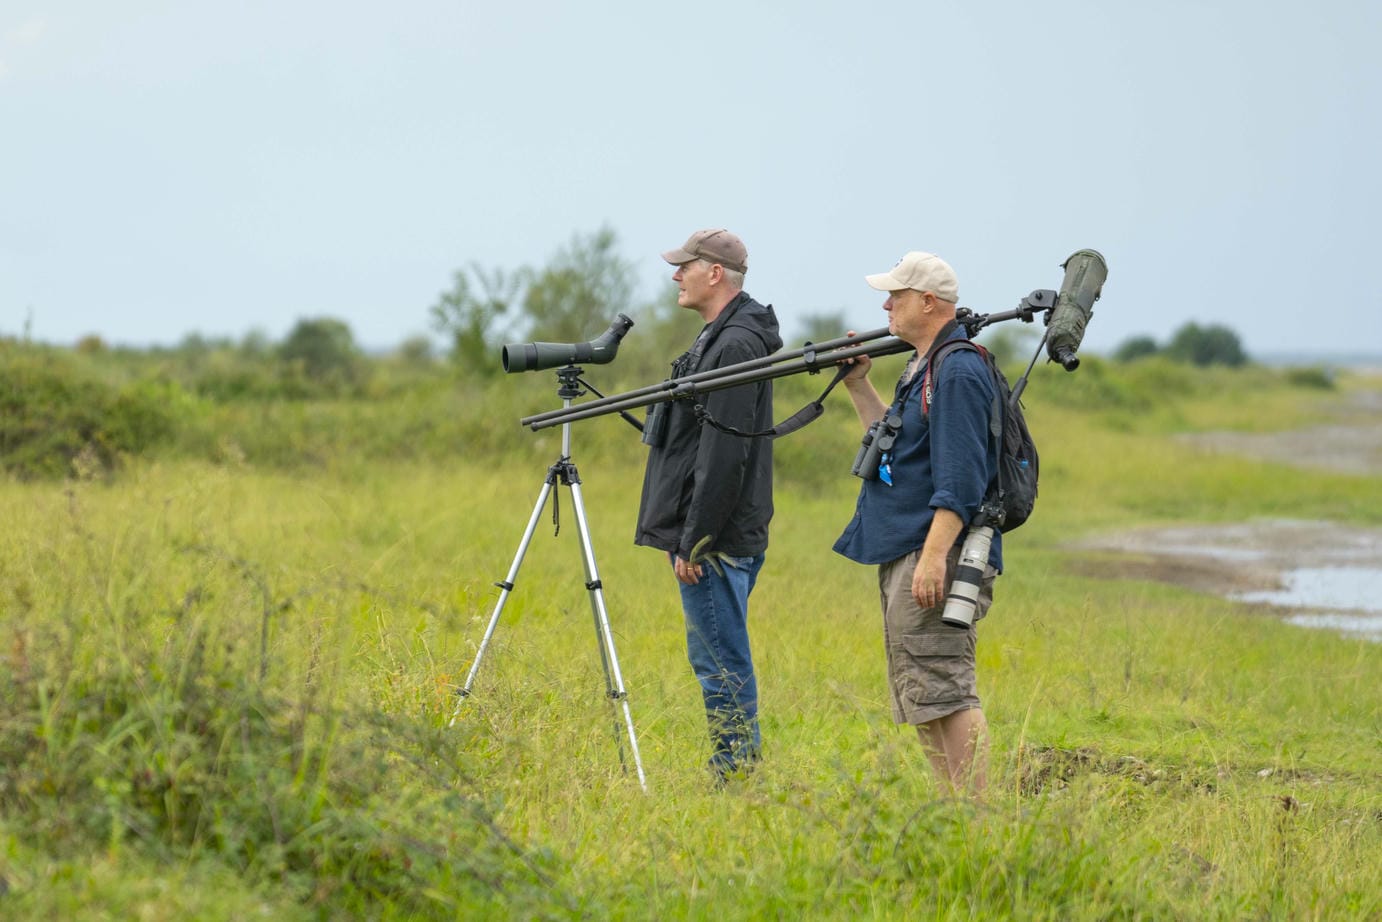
<point>1315,573</point>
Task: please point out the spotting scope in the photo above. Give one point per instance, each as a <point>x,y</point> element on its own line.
<point>539,356</point>
<point>1085,272</point>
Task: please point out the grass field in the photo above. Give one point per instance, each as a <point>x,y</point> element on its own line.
<point>227,687</point>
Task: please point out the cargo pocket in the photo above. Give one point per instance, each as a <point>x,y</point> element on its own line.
<point>940,668</point>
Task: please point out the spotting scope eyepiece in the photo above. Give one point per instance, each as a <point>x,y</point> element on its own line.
<point>1085,272</point>
<point>539,356</point>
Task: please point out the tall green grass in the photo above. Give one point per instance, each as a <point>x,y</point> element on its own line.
<point>228,683</point>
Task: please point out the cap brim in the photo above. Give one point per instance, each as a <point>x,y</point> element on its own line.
<point>884,281</point>
<point>679,257</point>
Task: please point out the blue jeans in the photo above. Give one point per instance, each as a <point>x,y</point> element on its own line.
<point>717,644</point>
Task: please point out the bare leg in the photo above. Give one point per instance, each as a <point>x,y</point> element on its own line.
<point>958,747</point>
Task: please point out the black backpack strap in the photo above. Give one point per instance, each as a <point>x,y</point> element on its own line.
<point>933,367</point>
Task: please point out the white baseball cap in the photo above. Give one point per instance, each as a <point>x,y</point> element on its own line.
<point>922,272</point>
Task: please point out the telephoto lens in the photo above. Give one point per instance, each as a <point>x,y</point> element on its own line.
<point>963,598</point>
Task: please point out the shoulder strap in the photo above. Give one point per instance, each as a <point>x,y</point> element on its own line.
<point>933,366</point>
<point>998,407</point>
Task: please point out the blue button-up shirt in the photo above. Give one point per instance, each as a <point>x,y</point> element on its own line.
<point>942,459</point>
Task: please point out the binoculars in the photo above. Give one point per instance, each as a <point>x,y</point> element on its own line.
<point>876,447</point>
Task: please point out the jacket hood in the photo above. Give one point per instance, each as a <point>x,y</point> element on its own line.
<point>747,314</point>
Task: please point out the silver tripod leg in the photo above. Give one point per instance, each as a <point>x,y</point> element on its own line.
<point>505,588</point>
<point>565,471</point>
<point>614,681</point>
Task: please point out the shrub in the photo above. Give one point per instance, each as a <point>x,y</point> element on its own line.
<point>1208,345</point>
<point>56,413</point>
<point>184,749</point>
<point>322,357</point>
<point>1319,378</point>
<point>1137,347</point>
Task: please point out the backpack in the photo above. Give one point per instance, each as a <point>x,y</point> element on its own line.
<point>1015,490</point>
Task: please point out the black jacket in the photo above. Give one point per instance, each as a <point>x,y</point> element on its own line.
<point>701,481</point>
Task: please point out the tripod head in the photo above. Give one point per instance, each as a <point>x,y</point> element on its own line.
<point>571,383</point>
<point>1040,301</point>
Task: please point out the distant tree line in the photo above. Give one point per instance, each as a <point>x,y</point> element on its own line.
<point>1193,344</point>
<point>84,408</point>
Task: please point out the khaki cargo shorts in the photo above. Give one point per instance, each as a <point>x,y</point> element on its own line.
<point>930,665</point>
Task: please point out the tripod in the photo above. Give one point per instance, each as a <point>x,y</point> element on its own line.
<point>564,471</point>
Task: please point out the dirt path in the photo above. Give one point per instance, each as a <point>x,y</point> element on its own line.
<point>1350,442</point>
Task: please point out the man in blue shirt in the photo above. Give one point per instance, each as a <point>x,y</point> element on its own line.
<point>913,511</point>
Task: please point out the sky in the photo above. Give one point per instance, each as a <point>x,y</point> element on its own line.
<point>169,168</point>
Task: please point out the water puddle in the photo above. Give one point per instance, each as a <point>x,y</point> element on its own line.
<point>1368,627</point>
<point>1324,587</point>
<point>1321,575</point>
<point>1349,596</point>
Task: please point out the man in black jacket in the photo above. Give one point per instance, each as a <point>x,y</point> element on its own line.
<point>708,494</point>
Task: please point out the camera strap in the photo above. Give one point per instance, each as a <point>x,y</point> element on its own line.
<point>921,371</point>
